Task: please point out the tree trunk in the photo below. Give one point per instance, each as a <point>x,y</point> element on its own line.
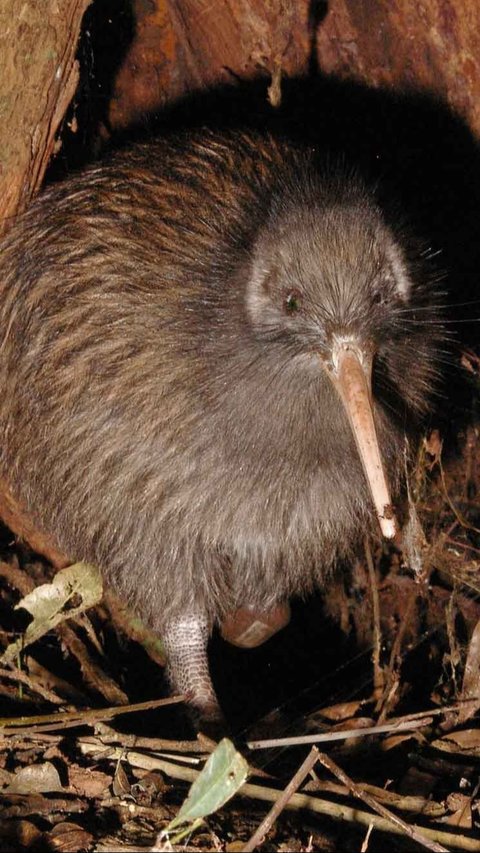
<point>39,76</point>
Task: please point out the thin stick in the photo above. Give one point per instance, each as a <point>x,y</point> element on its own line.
<point>345,734</point>
<point>292,787</point>
<point>366,840</point>
<point>396,724</point>
<point>395,658</point>
<point>407,828</point>
<point>378,680</point>
<point>109,737</point>
<point>22,677</point>
<point>49,722</point>
<point>461,520</point>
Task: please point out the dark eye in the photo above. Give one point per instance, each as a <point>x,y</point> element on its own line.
<point>378,298</point>
<point>292,301</point>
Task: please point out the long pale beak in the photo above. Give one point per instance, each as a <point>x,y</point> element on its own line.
<point>353,382</point>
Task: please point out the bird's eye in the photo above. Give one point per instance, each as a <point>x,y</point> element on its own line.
<point>292,301</point>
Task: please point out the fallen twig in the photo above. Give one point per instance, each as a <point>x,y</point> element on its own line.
<point>412,831</point>
<point>408,722</point>
<point>343,734</point>
<point>21,677</point>
<point>176,748</point>
<point>69,719</point>
<point>378,677</point>
<point>282,801</point>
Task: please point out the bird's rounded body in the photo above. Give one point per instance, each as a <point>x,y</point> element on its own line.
<point>166,326</point>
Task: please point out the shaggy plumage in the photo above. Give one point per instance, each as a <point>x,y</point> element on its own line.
<point>165,321</point>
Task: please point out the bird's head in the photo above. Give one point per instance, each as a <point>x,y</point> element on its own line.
<point>336,286</point>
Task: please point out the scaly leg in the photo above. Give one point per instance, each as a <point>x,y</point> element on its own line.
<point>185,641</point>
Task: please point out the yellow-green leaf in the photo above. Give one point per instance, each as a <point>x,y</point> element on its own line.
<point>72,591</point>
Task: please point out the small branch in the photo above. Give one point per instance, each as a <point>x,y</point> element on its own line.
<point>378,679</point>
<point>292,787</point>
<point>152,744</point>
<point>93,674</point>
<point>461,520</point>
<point>70,719</point>
<point>408,722</point>
<point>393,679</point>
<point>12,572</point>
<point>22,677</point>
<point>409,830</point>
<point>345,734</point>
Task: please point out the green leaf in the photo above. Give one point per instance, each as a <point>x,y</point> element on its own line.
<point>224,773</point>
<point>52,603</point>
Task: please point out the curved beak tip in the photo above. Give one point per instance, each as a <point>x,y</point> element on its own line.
<point>388,522</point>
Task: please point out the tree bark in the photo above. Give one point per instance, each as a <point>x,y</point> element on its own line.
<point>186,45</point>
<point>183,46</point>
<point>432,46</point>
<point>39,76</point>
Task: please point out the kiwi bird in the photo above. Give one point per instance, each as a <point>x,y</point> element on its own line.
<point>211,347</point>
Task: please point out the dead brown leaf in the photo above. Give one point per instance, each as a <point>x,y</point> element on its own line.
<point>35,779</point>
<point>394,741</point>
<point>471,679</point>
<point>149,788</point>
<point>87,782</point>
<point>21,833</point>
<point>24,805</point>
<point>121,786</point>
<point>461,807</point>
<point>68,838</point>
<point>466,741</point>
<point>342,711</point>
<point>433,446</point>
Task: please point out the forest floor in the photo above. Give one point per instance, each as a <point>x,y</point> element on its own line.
<point>395,642</point>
